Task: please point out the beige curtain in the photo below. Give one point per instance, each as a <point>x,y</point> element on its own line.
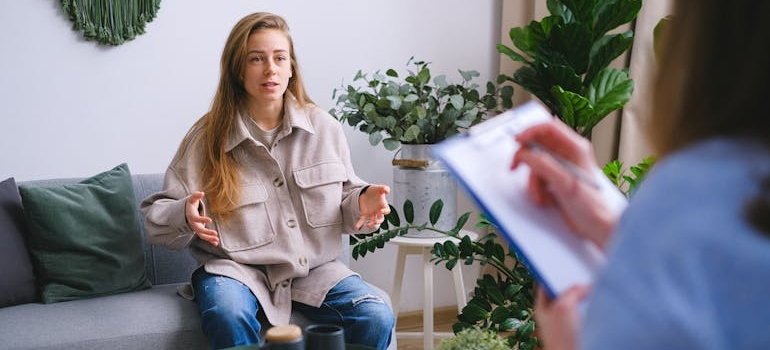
<point>633,145</point>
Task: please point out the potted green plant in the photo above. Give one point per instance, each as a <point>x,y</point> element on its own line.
<point>415,109</point>
<point>411,113</point>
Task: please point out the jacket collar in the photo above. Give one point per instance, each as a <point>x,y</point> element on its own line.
<point>294,116</point>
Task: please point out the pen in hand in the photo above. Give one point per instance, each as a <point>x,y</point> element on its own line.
<point>572,168</point>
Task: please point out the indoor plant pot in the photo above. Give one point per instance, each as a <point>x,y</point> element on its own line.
<point>414,113</point>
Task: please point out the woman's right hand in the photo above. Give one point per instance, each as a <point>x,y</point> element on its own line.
<point>197,221</point>
<point>551,184</point>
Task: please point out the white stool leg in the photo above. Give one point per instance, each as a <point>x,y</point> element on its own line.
<point>398,279</point>
<point>427,311</point>
<point>457,275</point>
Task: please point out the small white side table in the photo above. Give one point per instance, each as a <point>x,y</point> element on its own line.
<point>423,246</point>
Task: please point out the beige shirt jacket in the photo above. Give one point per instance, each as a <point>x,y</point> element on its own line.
<point>297,199</point>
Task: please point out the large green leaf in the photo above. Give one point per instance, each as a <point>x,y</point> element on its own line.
<point>529,39</point>
<point>582,10</point>
<point>575,108</point>
<point>607,49</point>
<point>536,83</point>
<point>505,50</point>
<point>610,91</point>
<point>557,8</point>
<point>573,42</point>
<point>612,14</point>
<point>564,76</point>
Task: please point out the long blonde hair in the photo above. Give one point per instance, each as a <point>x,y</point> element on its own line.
<point>219,169</point>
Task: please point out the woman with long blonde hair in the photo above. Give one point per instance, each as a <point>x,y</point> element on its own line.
<point>261,190</point>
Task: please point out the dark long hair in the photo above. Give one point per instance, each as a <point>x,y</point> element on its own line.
<point>712,81</point>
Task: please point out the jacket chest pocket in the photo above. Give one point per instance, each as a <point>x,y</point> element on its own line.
<point>321,192</point>
<point>250,225</point>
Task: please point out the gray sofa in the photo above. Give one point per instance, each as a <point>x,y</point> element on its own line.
<point>155,318</point>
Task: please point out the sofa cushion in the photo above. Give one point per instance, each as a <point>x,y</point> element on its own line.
<point>17,281</point>
<point>155,318</point>
<point>84,238</point>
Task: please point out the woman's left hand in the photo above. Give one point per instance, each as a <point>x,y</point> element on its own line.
<point>373,206</point>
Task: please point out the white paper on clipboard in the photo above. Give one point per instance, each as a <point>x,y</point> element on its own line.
<point>480,160</point>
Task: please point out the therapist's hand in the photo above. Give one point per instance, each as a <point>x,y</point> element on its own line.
<point>551,184</point>
<point>558,321</point>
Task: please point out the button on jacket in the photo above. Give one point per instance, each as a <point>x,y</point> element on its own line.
<point>296,199</point>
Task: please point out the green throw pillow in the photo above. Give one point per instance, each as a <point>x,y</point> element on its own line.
<point>84,238</point>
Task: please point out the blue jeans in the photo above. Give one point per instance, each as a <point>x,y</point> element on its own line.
<point>229,311</point>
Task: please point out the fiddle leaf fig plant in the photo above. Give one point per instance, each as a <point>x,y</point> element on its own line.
<point>567,57</point>
<point>414,109</point>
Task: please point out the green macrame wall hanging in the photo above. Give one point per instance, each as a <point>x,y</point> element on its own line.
<point>110,22</point>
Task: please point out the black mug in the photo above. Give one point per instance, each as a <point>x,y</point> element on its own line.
<point>324,337</point>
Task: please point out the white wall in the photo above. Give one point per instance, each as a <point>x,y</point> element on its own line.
<point>71,108</point>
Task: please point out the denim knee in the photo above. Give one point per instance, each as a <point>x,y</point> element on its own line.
<point>369,319</point>
<point>228,310</point>
<point>374,312</point>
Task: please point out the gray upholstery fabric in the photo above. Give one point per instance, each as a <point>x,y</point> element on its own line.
<point>17,281</point>
<point>136,320</point>
<point>156,318</point>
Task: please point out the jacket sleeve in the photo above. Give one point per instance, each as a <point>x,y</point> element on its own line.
<point>351,189</point>
<point>164,214</point>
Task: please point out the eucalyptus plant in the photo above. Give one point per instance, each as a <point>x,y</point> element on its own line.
<point>412,110</point>
<point>567,57</point>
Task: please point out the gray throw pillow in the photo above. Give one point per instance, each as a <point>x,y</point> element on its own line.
<point>17,281</point>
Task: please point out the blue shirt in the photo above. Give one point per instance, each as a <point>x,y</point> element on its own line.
<point>685,269</point>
